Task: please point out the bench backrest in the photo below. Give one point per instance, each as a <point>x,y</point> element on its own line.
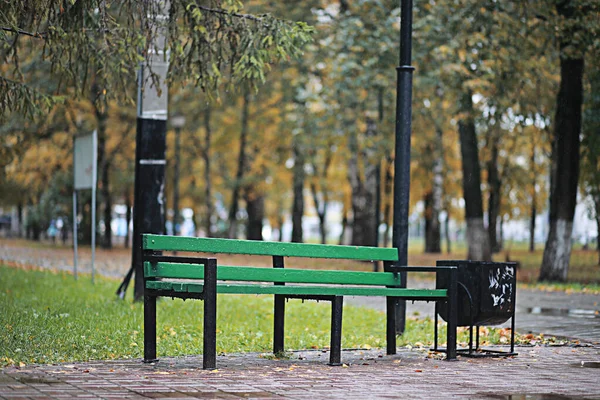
<point>250,247</point>
<point>257,274</point>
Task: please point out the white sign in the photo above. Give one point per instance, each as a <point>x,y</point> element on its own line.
<point>83,161</point>
<point>85,151</point>
<point>153,96</point>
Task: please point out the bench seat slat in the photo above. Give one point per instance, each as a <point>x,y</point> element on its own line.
<point>251,247</point>
<point>288,275</point>
<point>299,290</point>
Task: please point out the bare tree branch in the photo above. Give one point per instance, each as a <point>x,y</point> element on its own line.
<point>37,35</point>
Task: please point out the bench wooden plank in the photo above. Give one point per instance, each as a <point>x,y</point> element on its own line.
<point>287,275</point>
<point>251,247</point>
<point>299,290</point>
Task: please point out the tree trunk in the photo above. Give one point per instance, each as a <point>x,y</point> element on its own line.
<point>477,237</point>
<point>20,219</point>
<point>298,189</point>
<point>101,113</point>
<point>235,195</point>
<point>387,195</point>
<point>255,206</point>
<point>501,233</point>
<point>322,203</point>
<point>494,184</point>
<point>321,208</point>
<point>597,209</point>
<point>280,222</point>
<point>364,193</point>
<point>533,202</point>
<point>433,242</point>
<point>105,187</point>
<point>427,200</point>
<point>207,172</point>
<point>342,239</point>
<point>432,226</point>
<point>380,107</point>
<point>176,218</point>
<point>563,193</point>
<point>447,229</point>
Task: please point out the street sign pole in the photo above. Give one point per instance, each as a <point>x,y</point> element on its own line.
<point>75,233</point>
<point>94,184</point>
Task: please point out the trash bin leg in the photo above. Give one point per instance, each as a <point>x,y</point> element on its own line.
<point>452,315</point>
<point>391,325</point>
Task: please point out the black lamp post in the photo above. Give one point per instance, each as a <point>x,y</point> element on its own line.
<point>402,160</point>
<point>178,122</point>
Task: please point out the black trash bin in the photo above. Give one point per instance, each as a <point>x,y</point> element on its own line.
<point>486,294</point>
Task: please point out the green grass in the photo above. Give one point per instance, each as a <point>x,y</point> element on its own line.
<point>48,317</point>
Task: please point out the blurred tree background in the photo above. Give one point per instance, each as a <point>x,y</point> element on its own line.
<point>289,126</point>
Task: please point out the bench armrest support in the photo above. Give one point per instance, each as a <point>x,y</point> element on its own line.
<point>404,268</point>
<point>177,259</point>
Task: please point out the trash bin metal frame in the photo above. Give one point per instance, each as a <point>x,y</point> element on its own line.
<point>485,274</point>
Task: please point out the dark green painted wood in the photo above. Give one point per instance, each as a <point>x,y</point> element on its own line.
<point>288,275</point>
<point>301,290</point>
<point>250,247</point>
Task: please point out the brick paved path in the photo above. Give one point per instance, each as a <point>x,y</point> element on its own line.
<point>537,373</point>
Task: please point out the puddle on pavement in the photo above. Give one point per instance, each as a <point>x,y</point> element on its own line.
<point>209,395</point>
<point>34,380</point>
<point>588,364</point>
<point>564,312</point>
<point>546,396</point>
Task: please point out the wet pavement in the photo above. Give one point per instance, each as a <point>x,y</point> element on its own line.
<point>538,372</point>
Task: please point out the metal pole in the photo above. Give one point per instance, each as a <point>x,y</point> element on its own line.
<point>176,182</point>
<point>402,148</point>
<point>94,179</point>
<point>75,234</point>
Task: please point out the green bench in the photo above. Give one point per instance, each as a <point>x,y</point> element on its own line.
<point>203,278</point>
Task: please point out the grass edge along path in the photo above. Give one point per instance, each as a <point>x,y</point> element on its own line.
<point>48,317</point>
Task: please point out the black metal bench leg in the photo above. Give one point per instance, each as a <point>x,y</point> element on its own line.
<point>435,326</point>
<point>391,325</point>
<point>452,316</point>
<point>335,356</point>
<point>279,324</point>
<point>209,358</point>
<point>278,312</point>
<point>149,329</point>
